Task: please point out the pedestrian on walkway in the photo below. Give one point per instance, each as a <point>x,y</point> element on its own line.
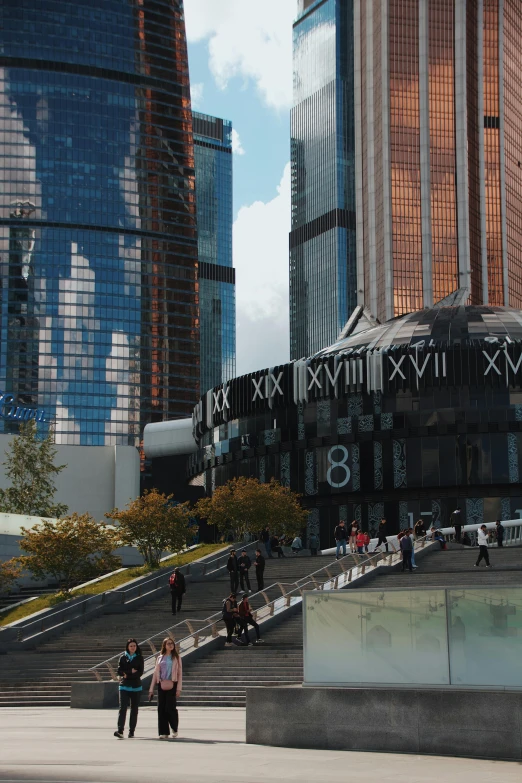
<point>313,543</point>
<point>483,546</point>
<point>130,671</point>
<point>230,616</point>
<point>246,619</point>
<point>406,549</point>
<point>177,589</point>
<point>259,563</point>
<point>265,538</point>
<point>500,533</point>
<point>456,522</point>
<point>168,676</point>
<point>244,565</point>
<point>360,542</point>
<point>233,570</point>
<point>341,536</point>
<point>353,536</point>
<point>381,535</point>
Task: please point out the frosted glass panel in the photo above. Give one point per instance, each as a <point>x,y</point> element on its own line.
<point>397,637</point>
<point>485,631</point>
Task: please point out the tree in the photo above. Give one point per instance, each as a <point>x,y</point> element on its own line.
<point>245,505</point>
<point>31,469</point>
<point>70,550</point>
<point>10,571</point>
<point>153,523</point>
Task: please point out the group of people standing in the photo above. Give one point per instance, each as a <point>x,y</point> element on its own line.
<point>358,539</point>
<point>274,543</point>
<point>238,568</point>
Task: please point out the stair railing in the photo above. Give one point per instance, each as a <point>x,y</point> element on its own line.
<point>266,603</point>
<point>512,532</point>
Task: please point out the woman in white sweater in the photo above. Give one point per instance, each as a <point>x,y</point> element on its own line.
<point>168,675</point>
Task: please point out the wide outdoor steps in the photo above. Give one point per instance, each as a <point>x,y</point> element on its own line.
<point>44,676</point>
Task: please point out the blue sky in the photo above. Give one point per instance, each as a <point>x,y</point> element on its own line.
<point>240,56</point>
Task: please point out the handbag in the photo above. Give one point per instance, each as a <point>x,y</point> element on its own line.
<point>166,685</point>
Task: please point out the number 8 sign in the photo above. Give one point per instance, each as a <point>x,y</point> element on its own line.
<point>340,465</point>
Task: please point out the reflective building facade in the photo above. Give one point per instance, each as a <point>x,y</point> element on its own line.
<point>98,245</point>
<point>322,239</point>
<point>406,419</point>
<point>213,156</point>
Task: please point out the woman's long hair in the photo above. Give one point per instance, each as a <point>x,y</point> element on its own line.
<point>175,653</point>
<point>138,651</point>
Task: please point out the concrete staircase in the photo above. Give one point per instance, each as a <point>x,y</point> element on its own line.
<point>43,677</point>
<point>26,592</point>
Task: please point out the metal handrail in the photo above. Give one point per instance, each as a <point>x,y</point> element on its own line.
<point>512,531</point>
<point>210,623</point>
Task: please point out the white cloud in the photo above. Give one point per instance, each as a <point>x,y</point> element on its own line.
<point>237,147</point>
<point>247,39</point>
<point>196,94</point>
<point>261,261</point>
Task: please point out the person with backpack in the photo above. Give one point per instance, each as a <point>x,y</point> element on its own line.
<point>341,536</point>
<point>406,549</point>
<point>244,564</point>
<point>259,563</point>
<point>130,671</point>
<point>230,614</point>
<point>246,619</point>
<point>233,570</point>
<point>177,590</point>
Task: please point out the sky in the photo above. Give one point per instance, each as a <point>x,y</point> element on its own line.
<point>240,58</point>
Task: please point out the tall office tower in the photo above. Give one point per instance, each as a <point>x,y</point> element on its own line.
<point>217,295</point>
<point>98,246</point>
<point>322,239</point>
<point>438,119</point>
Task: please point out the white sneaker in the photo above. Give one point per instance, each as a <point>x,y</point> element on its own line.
<point>228,644</point>
<point>163,736</point>
<point>174,734</point>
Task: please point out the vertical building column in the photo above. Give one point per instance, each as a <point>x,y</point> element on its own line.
<point>370,142</point>
<point>386,159</point>
<point>359,203</point>
<point>502,150</point>
<point>482,163</point>
<point>461,142</point>
<point>424,110</point>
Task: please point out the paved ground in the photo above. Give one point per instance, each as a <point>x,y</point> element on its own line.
<point>59,744</point>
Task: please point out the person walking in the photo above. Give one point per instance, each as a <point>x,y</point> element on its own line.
<point>130,671</point>
<point>360,542</point>
<point>406,549</point>
<point>177,589</point>
<point>265,538</point>
<point>259,564</point>
<point>233,570</point>
<point>500,532</point>
<point>230,616</point>
<point>483,546</point>
<point>313,543</point>
<point>168,676</point>
<point>381,535</point>
<point>340,535</point>
<point>456,522</point>
<point>246,619</point>
<point>353,536</point>
<point>244,565</point>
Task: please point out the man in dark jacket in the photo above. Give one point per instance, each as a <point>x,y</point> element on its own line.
<point>177,589</point>
<point>265,538</point>
<point>456,522</point>
<point>259,563</point>
<point>500,533</point>
<point>340,535</point>
<point>244,565</point>
<point>406,545</point>
<point>233,571</point>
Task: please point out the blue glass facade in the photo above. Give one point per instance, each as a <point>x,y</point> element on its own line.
<point>98,244</point>
<point>322,240</point>
<point>217,303</point>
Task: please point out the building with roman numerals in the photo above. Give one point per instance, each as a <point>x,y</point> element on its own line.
<point>401,420</point>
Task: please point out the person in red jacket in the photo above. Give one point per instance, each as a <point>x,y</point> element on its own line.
<point>367,540</point>
<point>360,541</point>
<point>246,619</point>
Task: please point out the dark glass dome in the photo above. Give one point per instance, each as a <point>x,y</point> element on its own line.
<point>464,325</point>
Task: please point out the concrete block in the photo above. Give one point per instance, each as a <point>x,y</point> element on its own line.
<point>94,695</point>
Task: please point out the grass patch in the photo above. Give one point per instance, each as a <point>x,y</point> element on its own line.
<point>111,583</point>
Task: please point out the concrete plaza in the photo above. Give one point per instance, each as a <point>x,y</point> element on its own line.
<point>58,744</point>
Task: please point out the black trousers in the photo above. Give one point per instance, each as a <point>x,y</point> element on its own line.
<point>128,699</point>
<point>382,540</point>
<point>313,551</point>
<point>500,542</point>
<point>176,600</point>
<point>483,555</point>
<point>260,580</point>
<point>458,533</point>
<point>167,710</point>
<point>243,577</point>
<point>406,560</point>
<point>234,581</point>
<point>244,623</point>
<point>230,624</point>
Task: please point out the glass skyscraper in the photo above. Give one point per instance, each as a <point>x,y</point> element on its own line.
<point>217,304</point>
<point>98,242</point>
<point>322,240</point>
